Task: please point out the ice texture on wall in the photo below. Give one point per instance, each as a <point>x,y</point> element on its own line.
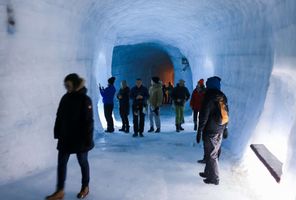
<point>249,43</point>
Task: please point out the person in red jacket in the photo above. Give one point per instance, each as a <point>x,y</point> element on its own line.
<point>196,100</point>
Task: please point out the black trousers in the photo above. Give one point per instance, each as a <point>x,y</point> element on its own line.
<point>62,168</point>
<point>124,112</point>
<point>212,145</point>
<point>108,109</point>
<point>195,114</point>
<point>138,118</point>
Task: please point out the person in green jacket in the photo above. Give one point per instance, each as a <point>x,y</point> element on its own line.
<point>155,101</point>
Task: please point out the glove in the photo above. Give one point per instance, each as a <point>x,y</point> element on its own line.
<point>198,137</point>
<point>225,133</point>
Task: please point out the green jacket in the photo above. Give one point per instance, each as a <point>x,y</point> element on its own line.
<point>156,95</point>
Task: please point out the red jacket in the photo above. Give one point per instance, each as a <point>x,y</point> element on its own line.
<point>196,99</point>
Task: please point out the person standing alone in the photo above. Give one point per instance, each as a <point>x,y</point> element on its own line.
<point>180,95</point>
<point>155,101</point>
<point>124,106</point>
<point>139,95</point>
<point>74,131</point>
<point>213,120</point>
<point>196,100</point>
<point>108,94</point>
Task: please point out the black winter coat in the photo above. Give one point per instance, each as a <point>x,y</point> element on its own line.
<point>74,123</point>
<point>210,115</point>
<point>125,94</point>
<point>143,91</point>
<point>180,95</point>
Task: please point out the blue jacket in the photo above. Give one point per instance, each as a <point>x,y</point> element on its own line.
<point>108,94</point>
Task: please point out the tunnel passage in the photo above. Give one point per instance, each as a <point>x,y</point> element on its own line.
<point>145,60</point>
<point>141,61</point>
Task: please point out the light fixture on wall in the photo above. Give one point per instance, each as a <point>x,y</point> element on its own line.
<point>185,64</point>
<point>10,19</point>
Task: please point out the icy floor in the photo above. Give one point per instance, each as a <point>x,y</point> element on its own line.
<point>156,167</point>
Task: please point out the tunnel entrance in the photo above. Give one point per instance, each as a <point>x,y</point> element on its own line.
<point>146,60</point>
<point>141,61</point>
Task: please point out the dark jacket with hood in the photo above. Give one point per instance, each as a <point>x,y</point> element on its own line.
<point>180,95</point>
<point>210,115</point>
<point>74,123</point>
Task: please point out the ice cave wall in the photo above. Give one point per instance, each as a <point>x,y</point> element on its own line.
<point>249,43</point>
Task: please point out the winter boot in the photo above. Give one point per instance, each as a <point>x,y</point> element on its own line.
<point>181,128</point>
<point>135,135</point>
<point>151,129</point>
<point>58,195</point>
<point>203,175</point>
<point>157,130</point>
<point>203,161</point>
<point>126,130</point>
<point>195,127</point>
<point>83,192</point>
<point>208,181</point>
<point>177,128</point>
<point>141,135</point>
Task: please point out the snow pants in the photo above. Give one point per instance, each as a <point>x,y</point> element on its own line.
<point>212,144</point>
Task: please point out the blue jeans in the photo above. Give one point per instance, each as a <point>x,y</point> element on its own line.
<point>63,158</point>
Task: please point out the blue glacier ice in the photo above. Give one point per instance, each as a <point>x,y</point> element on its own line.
<point>250,44</point>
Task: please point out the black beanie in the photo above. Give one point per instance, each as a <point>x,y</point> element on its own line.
<point>155,79</point>
<point>111,80</point>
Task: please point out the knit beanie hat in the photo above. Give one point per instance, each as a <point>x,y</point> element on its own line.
<point>214,83</point>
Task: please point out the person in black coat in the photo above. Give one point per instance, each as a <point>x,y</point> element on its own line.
<point>124,106</point>
<point>180,95</point>
<point>74,131</point>
<point>212,128</point>
<point>139,95</point>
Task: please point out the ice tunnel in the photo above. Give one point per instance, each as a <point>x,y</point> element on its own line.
<point>251,44</point>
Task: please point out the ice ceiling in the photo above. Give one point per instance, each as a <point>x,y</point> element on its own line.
<point>251,44</point>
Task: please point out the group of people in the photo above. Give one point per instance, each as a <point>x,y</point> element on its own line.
<point>149,100</point>
<point>74,121</point>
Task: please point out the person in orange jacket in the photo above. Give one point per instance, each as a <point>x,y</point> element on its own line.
<point>196,100</point>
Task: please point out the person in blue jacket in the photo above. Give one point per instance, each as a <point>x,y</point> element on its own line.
<point>108,94</point>
<point>139,95</point>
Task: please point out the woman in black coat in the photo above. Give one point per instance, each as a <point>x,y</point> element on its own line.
<point>74,131</point>
<point>124,105</point>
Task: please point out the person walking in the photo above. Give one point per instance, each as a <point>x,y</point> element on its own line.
<point>180,95</point>
<point>196,100</point>
<point>124,106</point>
<point>213,120</point>
<point>108,94</point>
<point>155,101</point>
<point>74,131</point>
<point>139,95</point>
<point>170,90</point>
